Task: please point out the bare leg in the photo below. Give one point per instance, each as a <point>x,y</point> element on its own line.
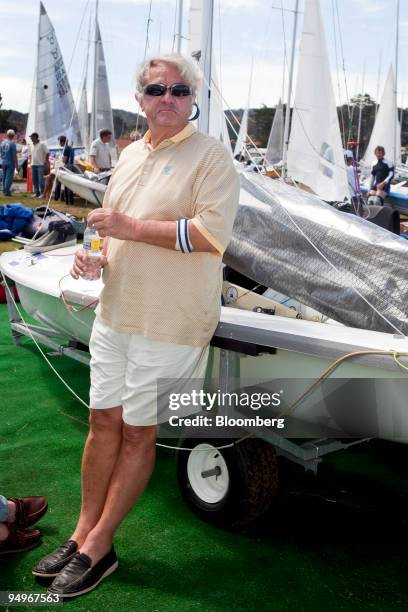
<point>101,452</point>
<point>129,479</point>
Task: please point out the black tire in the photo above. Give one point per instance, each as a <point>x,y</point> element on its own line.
<point>252,481</point>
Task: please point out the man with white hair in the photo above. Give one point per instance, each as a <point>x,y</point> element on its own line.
<point>9,163</point>
<point>168,215</point>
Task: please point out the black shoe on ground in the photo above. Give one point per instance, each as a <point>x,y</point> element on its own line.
<point>78,577</point>
<point>52,564</point>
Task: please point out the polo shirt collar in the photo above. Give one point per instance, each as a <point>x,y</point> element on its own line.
<point>186,132</point>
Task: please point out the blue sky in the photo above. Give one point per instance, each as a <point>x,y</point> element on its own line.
<point>243,29</point>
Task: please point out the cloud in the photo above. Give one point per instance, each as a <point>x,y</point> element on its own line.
<point>371,6</point>
<point>18,9</point>
<point>11,88</point>
<point>7,53</point>
<point>266,89</point>
<point>234,5</point>
<point>134,2</point>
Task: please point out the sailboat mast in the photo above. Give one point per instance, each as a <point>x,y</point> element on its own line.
<point>396,130</point>
<point>95,73</point>
<point>207,29</point>
<point>377,95</point>
<point>287,116</point>
<point>42,10</point>
<point>179,25</point>
<point>360,112</point>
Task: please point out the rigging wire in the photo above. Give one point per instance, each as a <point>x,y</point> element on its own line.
<point>220,49</point>
<point>342,57</point>
<point>377,93</point>
<point>284,71</point>
<point>77,37</point>
<point>343,131</point>
<point>173,47</point>
<point>149,21</point>
<point>147,46</point>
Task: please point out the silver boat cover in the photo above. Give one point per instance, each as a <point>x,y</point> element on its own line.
<point>343,266</point>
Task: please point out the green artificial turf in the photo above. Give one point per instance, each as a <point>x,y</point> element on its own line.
<point>337,541</point>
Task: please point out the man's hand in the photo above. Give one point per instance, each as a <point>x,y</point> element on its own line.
<point>109,222</point>
<point>380,185</point>
<point>79,267</point>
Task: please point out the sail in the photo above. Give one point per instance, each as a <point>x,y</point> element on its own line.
<point>387,130</point>
<point>83,116</point>
<point>31,120</point>
<point>315,153</point>
<point>52,109</point>
<point>101,105</point>
<point>274,150</point>
<point>218,122</point>
<point>200,37</point>
<point>243,128</point>
<point>242,134</point>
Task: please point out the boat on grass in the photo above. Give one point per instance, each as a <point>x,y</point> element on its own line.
<point>318,271</point>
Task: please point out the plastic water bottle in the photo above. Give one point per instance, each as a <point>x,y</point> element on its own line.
<point>91,245</point>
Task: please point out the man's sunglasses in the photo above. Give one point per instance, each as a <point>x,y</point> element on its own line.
<point>157,89</point>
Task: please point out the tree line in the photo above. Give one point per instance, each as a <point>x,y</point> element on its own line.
<point>259,122</point>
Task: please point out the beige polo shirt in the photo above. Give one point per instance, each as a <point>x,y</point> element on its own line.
<point>161,293</point>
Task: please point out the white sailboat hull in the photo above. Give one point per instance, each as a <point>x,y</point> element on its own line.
<point>303,349</point>
<point>91,191</point>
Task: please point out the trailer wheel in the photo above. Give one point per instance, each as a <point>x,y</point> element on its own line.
<point>229,487</point>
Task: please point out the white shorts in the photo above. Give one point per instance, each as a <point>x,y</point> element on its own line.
<point>125,369</point>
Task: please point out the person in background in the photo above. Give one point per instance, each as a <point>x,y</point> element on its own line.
<point>100,156</point>
<point>67,159</point>
<point>352,176</point>
<point>9,163</point>
<point>25,154</point>
<point>168,214</point>
<point>16,514</point>
<point>382,174</point>
<point>39,158</point>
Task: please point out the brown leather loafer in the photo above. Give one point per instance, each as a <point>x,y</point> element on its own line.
<point>29,510</point>
<point>19,541</point>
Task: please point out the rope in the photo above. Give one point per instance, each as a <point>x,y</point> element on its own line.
<point>333,366</point>
<point>401,365</point>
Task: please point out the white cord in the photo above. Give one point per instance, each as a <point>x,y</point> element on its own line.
<point>70,389</point>
<point>10,294</point>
